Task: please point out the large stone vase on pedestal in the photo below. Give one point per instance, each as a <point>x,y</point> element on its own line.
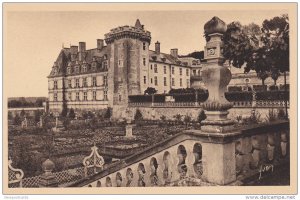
<point>216,77</point>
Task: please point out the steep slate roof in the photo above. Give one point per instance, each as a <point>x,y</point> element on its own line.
<point>64,59</point>
<point>164,58</point>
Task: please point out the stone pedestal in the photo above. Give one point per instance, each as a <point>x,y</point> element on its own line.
<point>48,181</point>
<point>129,131</point>
<point>219,163</point>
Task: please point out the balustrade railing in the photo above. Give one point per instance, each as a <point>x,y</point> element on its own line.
<point>187,159</point>
<point>236,104</point>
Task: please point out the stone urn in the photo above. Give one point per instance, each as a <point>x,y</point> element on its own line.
<point>216,77</point>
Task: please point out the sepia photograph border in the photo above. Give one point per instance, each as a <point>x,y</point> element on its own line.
<point>293,16</point>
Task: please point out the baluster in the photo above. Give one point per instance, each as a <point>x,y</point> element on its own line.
<point>159,170</point>
<point>135,178</point>
<point>283,143</point>
<point>271,147</point>
<point>173,167</point>
<point>124,178</point>
<point>190,160</point>
<point>147,174</point>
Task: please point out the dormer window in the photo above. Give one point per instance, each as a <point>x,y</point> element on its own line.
<point>77,69</point>
<point>144,46</point>
<point>84,68</point>
<point>55,70</point>
<point>94,66</point>
<point>69,70</point>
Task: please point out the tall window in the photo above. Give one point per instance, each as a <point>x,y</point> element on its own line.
<point>120,97</point>
<point>155,68</point>
<point>77,82</point>
<point>94,95</point>
<point>55,85</point>
<point>180,82</point>
<point>77,96</point>
<point>104,80</point>
<point>187,82</point>
<point>77,69</point>
<point>105,95</point>
<point>144,61</point>
<point>151,80</point>
<point>165,81</point>
<point>94,81</point>
<point>155,80</point>
<point>173,82</point>
<point>151,67</point>
<point>180,71</point>
<point>69,70</point>
<point>55,96</point>
<point>85,96</point>
<point>70,96</point>
<point>187,72</point>
<point>165,69</point>
<point>70,83</point>
<point>173,70</point>
<point>144,46</point>
<point>84,68</point>
<point>84,82</point>
<point>105,64</point>
<point>145,79</point>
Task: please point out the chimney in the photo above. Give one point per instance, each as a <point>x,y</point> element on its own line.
<point>81,46</point>
<point>100,44</point>
<point>157,47</point>
<point>174,53</point>
<point>74,51</point>
<point>81,50</point>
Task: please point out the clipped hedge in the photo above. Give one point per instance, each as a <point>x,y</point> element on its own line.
<point>272,95</point>
<point>238,96</point>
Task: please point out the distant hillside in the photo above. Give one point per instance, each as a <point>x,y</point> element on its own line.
<point>17,102</point>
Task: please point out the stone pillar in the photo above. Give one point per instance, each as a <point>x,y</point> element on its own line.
<point>48,179</point>
<point>218,156</point>
<point>216,77</point>
<point>219,166</point>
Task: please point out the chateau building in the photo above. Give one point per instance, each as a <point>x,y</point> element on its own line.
<point>105,76</point>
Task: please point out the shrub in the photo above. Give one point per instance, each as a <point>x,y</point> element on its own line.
<point>254,118</point>
<point>273,87</point>
<point>239,118</point>
<point>108,113</point>
<point>187,119</point>
<point>238,96</point>
<point>138,115</point>
<point>71,114</point>
<point>281,114</point>
<point>271,116</point>
<point>201,116</point>
<point>150,90</point>
<point>178,117</point>
<point>234,89</point>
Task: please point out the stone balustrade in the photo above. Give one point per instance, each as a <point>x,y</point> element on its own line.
<point>204,158</point>
<point>236,104</point>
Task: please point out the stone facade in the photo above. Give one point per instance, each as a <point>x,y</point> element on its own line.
<point>105,76</point>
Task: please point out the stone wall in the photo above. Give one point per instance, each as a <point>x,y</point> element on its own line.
<point>154,113</point>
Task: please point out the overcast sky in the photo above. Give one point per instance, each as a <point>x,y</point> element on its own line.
<point>34,39</point>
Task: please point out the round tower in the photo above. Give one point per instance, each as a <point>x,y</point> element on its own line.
<point>129,51</point>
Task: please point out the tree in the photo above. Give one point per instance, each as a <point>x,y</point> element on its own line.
<point>150,91</point>
<point>22,113</point>
<point>108,113</point>
<point>37,115</point>
<point>138,115</point>
<point>17,119</point>
<point>9,115</point>
<point>71,114</point>
<point>269,55</point>
<point>64,111</point>
<point>187,119</point>
<point>201,116</point>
